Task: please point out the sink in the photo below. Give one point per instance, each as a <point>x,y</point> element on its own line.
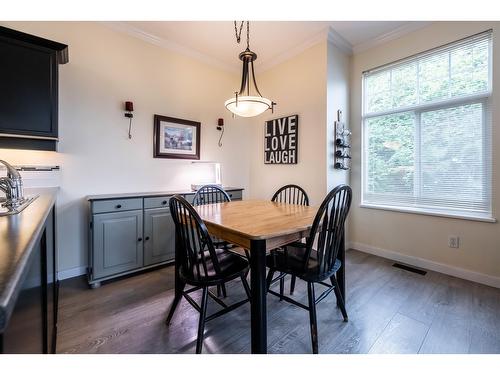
<point>6,210</point>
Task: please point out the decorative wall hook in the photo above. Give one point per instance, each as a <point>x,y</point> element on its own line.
<point>129,108</point>
<point>220,127</point>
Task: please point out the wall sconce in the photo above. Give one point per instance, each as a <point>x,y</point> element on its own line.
<point>129,108</point>
<point>220,127</point>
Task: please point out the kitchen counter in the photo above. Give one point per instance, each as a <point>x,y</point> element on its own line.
<point>19,235</point>
<point>148,194</point>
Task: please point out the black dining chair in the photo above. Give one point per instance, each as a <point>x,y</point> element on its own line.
<point>201,265</point>
<point>291,194</point>
<point>209,194</point>
<point>315,264</point>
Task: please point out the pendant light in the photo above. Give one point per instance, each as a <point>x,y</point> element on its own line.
<point>243,103</point>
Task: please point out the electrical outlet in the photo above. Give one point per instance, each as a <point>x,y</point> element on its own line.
<point>453,242</point>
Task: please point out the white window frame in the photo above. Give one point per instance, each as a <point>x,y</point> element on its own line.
<point>484,98</point>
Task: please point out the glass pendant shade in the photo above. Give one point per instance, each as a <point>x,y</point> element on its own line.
<point>248,106</point>
<point>243,103</point>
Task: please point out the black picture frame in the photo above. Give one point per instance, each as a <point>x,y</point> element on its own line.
<point>281,140</point>
<point>167,149</point>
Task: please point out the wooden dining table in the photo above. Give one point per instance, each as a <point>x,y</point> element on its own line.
<point>259,226</point>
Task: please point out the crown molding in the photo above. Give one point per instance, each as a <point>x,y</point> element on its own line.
<point>339,41</point>
<point>323,35</point>
<point>299,48</point>
<point>167,44</point>
<point>391,35</point>
<point>326,34</point>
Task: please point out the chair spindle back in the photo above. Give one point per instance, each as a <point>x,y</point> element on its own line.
<point>195,245</point>
<point>328,228</point>
<point>208,194</point>
<point>292,194</point>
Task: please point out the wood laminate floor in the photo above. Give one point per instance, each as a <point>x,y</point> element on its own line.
<point>390,311</point>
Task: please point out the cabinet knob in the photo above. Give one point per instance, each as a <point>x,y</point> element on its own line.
<point>118,206</point>
<point>164,202</point>
<point>139,239</point>
<point>147,238</point>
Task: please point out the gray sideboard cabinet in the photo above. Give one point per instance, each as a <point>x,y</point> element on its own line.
<point>130,233</point>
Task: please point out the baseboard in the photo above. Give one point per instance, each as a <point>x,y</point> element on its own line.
<point>72,272</point>
<point>428,264</point>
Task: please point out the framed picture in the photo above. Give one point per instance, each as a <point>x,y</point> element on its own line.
<point>176,138</point>
<point>281,140</point>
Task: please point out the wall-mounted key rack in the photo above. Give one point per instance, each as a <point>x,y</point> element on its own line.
<point>342,144</point>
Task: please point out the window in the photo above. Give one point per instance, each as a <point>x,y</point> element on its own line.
<point>427,130</point>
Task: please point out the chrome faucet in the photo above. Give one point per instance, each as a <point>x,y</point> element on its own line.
<point>12,186</point>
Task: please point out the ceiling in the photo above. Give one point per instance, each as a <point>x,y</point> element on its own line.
<point>273,41</point>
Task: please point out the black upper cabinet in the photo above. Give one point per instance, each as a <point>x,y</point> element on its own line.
<point>29,90</point>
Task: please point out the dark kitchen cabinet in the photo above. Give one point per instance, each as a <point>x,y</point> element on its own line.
<point>32,327</point>
<point>52,284</point>
<point>29,94</point>
<point>25,332</point>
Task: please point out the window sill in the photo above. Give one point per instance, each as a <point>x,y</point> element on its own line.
<point>420,211</point>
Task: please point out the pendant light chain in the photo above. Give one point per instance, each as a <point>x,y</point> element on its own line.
<point>238,33</point>
<point>248,35</point>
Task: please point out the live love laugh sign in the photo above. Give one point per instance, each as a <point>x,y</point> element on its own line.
<point>280,140</point>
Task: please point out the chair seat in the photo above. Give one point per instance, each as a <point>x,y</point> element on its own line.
<point>238,251</point>
<point>290,259</point>
<point>231,266</point>
<point>217,242</point>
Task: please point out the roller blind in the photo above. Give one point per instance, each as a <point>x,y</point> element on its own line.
<point>427,130</point>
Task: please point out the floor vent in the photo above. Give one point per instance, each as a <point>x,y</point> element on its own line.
<point>408,268</point>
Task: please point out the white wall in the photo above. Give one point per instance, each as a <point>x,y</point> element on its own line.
<point>314,84</point>
<point>338,69</point>
<point>105,69</point>
<point>298,86</point>
<point>417,238</point>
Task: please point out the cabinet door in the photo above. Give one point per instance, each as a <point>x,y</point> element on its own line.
<point>117,242</point>
<point>24,333</point>
<point>159,236</point>
<point>28,99</point>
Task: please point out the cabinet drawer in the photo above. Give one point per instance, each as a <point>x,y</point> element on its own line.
<point>156,202</point>
<point>116,205</point>
<point>235,195</point>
